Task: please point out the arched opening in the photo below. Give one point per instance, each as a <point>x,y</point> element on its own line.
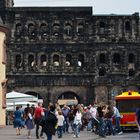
<point>131,58</point>
<point>131,72</point>
<point>102,58</point>
<point>127,26</point>
<point>31,30</point>
<point>56,60</point>
<point>18,61</point>
<point>102,27</point>
<point>68,98</point>
<point>43,60</point>
<point>102,72</point>
<point>116,58</point>
<point>68,29</point>
<point>56,29</point>
<point>34,94</point>
<point>80,29</point>
<point>43,28</point>
<point>31,61</point>
<point>68,60</point>
<point>80,60</point>
<point>18,29</point>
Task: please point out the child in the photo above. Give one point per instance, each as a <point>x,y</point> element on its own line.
<point>60,123</point>
<point>29,122</point>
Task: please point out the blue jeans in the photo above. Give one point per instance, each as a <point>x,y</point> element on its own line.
<point>77,129</point>
<point>101,127</point>
<point>49,137</point>
<point>117,125</point>
<point>108,124</point>
<point>59,131</point>
<point>66,125</point>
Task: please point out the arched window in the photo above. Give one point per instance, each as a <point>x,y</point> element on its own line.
<point>68,60</point>
<point>43,28</point>
<point>116,58</point>
<point>68,29</point>
<point>18,29</point>
<point>127,26</point>
<point>31,30</point>
<point>80,60</point>
<point>80,29</point>
<point>102,27</point>
<point>56,29</point>
<point>56,60</point>
<point>131,72</point>
<point>131,58</point>
<point>102,71</point>
<point>102,58</point>
<point>43,60</point>
<point>18,61</point>
<point>31,61</point>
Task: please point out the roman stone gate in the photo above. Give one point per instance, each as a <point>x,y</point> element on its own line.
<point>68,52</point>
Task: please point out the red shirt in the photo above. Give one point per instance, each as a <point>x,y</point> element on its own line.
<point>38,112</point>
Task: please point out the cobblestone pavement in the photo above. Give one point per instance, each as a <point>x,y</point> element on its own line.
<point>8,133</point>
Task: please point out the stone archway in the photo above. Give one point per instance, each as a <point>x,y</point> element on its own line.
<point>34,94</point>
<point>68,98</point>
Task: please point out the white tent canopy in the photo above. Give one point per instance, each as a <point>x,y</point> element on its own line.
<point>17,97</point>
<point>14,99</point>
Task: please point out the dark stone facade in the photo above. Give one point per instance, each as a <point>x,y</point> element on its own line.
<point>68,51</point>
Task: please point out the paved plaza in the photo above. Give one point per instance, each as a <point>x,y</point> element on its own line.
<point>8,133</point>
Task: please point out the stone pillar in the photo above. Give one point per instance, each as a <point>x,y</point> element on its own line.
<point>3,32</point>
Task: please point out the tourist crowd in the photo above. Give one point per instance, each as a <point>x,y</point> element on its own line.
<point>101,119</point>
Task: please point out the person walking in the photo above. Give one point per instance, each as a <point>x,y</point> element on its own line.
<point>117,118</point>
<point>50,123</point>
<point>17,120</point>
<point>77,123</point>
<point>29,122</point>
<point>108,120</point>
<point>65,112</point>
<point>60,123</point>
<point>38,115</point>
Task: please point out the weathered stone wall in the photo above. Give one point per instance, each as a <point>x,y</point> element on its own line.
<point>55,50</point>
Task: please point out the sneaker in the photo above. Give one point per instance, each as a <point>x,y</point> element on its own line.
<point>120,133</point>
<point>74,136</point>
<point>78,136</point>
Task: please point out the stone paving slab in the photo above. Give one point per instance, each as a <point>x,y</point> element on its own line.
<point>9,133</point>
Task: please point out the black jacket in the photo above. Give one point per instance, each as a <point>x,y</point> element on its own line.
<point>50,123</point>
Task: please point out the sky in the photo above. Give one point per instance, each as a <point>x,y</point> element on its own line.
<point>99,6</point>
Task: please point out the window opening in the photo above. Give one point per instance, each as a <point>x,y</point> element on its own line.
<point>43,60</point>
<point>31,30</point>
<point>131,72</point>
<point>18,61</point>
<point>102,72</point>
<point>116,58</point>
<point>31,61</point>
<point>68,29</point>
<point>43,28</point>
<point>56,60</point>
<point>80,60</point>
<point>102,27</point>
<point>68,60</point>
<point>127,26</point>
<point>80,29</point>
<point>102,58</point>
<point>131,58</point>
